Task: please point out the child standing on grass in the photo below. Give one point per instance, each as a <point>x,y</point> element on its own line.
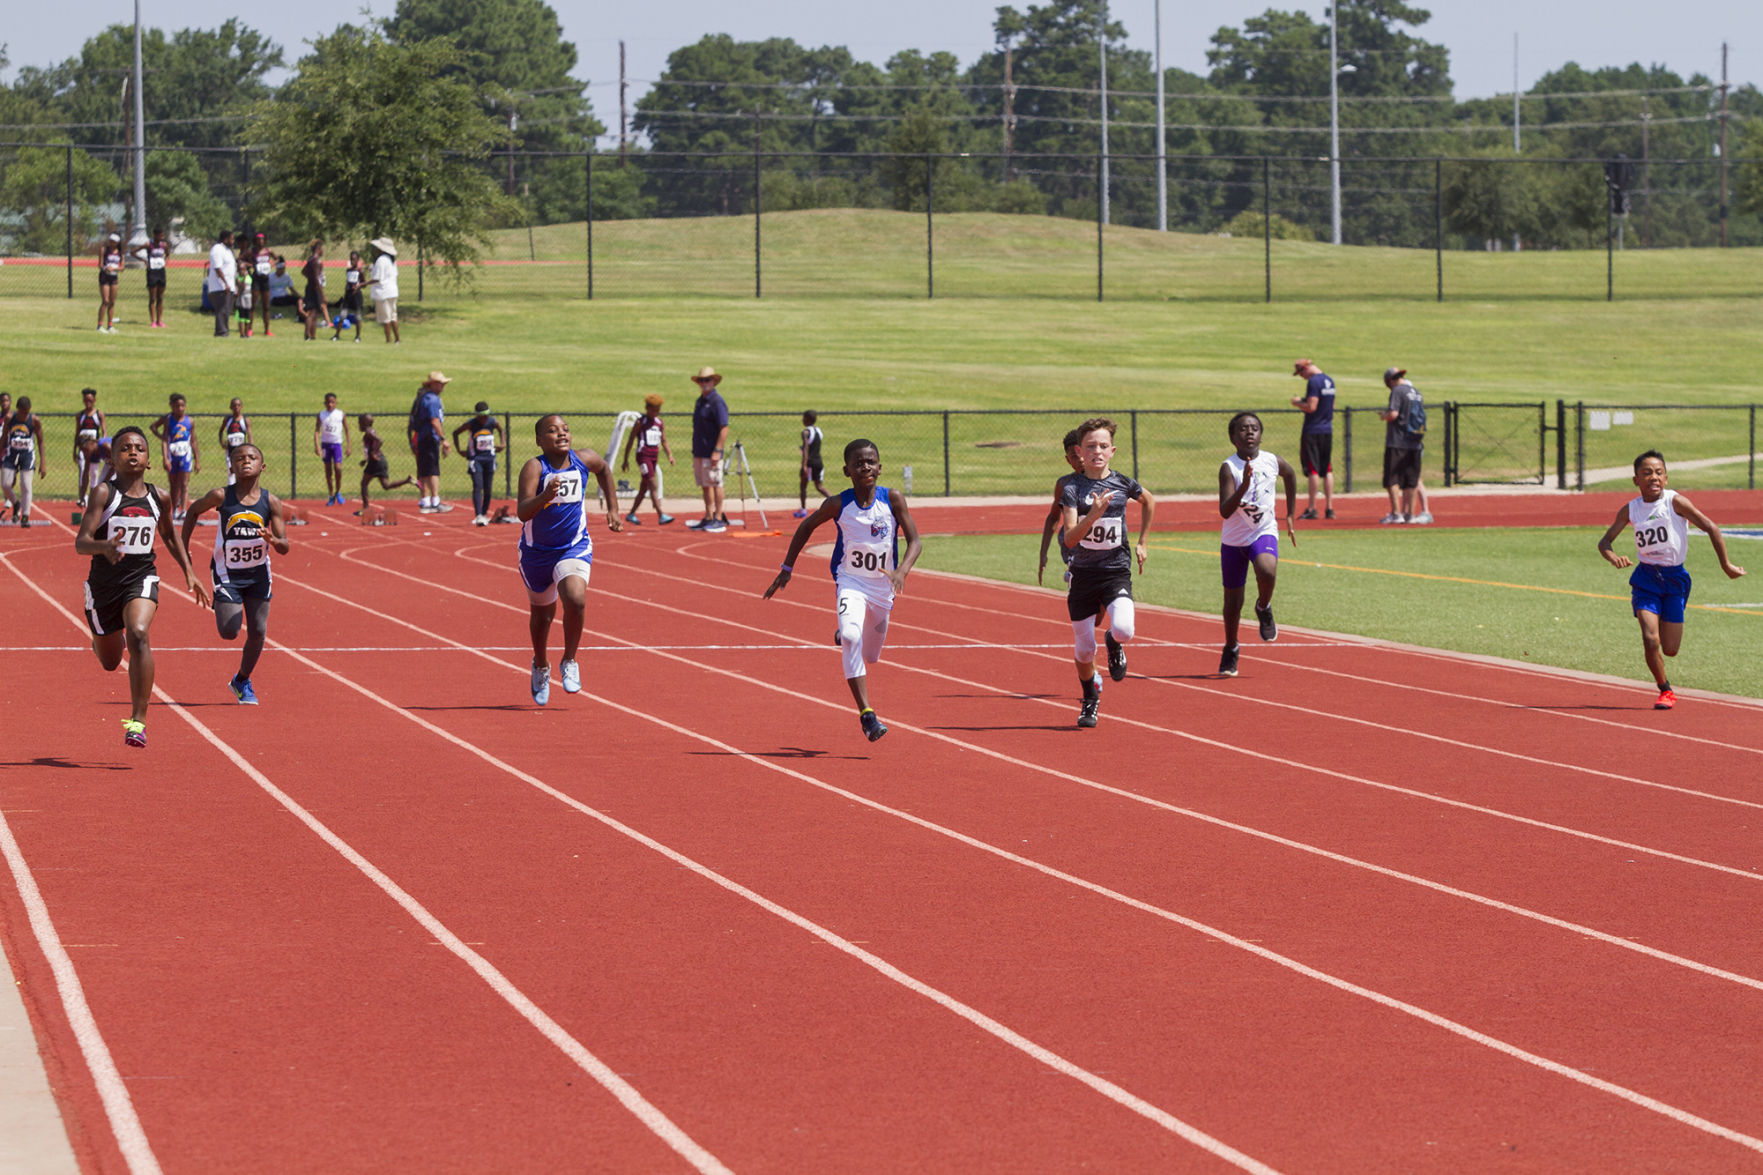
<point>1659,586</point>
<point>1056,512</point>
<point>122,519</point>
<point>868,572</point>
<point>1093,504</point>
<point>374,464</point>
<point>351,303</point>
<point>812,465</point>
<point>556,551</point>
<point>330,442</point>
<point>250,524</point>
<point>649,436</point>
<point>1250,534</point>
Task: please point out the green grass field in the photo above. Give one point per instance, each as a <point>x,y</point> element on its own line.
<point>1544,597</point>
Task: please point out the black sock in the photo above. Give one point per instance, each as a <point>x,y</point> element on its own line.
<point>1091,689</point>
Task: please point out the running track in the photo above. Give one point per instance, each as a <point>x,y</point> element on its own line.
<point>1363,908</point>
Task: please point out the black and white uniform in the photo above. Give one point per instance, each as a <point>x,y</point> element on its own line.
<point>233,433</point>
<point>866,550</point>
<point>156,253</point>
<point>811,440</point>
<point>1101,564</point>
<point>241,554</point>
<point>135,576</point>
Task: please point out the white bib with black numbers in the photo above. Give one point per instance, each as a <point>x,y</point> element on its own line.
<point>1661,534</point>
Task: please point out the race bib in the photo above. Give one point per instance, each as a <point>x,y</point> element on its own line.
<point>569,487</point>
<point>179,448</point>
<point>132,536</point>
<point>352,276</point>
<point>1104,535</point>
<point>484,442</point>
<point>263,266</point>
<point>651,438</point>
<point>23,442</point>
<point>868,562</point>
<point>252,552</point>
<point>155,263</point>
<point>1649,537</point>
<point>86,434</point>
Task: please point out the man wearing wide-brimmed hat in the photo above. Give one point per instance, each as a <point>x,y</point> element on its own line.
<point>709,434</point>
<point>428,442</point>
<point>384,276</point>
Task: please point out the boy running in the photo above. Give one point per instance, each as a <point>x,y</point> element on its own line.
<point>556,551</point>
<point>812,465</point>
<point>250,524</point>
<point>374,464</point>
<point>1250,535</point>
<point>122,519</point>
<point>868,572</point>
<point>649,436</point>
<point>1093,504</point>
<point>1659,586</point>
<point>1056,512</point>
<point>330,442</point>
<point>177,438</point>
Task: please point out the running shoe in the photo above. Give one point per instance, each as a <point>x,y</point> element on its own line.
<point>665,519</point>
<point>1087,715</point>
<point>1391,519</point>
<point>1227,664</point>
<point>715,525</point>
<point>1308,515</point>
<point>1264,617</point>
<point>872,726</point>
<point>798,514</point>
<point>698,523</point>
<point>1667,699</point>
<point>1328,514</point>
<point>572,677</point>
<point>633,519</point>
<point>1422,519</point>
<point>134,733</point>
<point>480,520</point>
<point>241,687</point>
<point>428,510</point>
<point>1116,658</point>
<point>443,508</point>
<point>541,684</point>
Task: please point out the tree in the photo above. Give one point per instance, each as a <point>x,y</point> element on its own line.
<point>372,138</point>
<point>177,190</point>
<point>34,199</point>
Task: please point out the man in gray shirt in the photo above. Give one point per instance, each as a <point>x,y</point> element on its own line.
<point>1404,442</point>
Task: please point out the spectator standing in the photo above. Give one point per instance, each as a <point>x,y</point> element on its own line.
<point>1316,440</point>
<point>427,442</point>
<point>312,304</point>
<point>223,272</point>
<point>482,442</point>
<point>384,276</point>
<point>1403,443</point>
<point>109,277</point>
<point>351,303</point>
<point>155,253</point>
<point>262,264</point>
<point>709,435</point>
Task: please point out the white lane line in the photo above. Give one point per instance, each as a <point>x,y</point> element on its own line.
<point>627,1094</point>
<point>1462,1030</point>
<point>972,1015</point>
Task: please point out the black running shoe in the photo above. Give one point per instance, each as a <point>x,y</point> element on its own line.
<point>1329,514</point>
<point>1086,717</point>
<point>1227,664</point>
<point>1116,658</point>
<point>1269,630</point>
<point>872,726</point>
<point>1308,515</point>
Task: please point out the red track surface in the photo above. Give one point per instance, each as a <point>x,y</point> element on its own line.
<point>1362,908</point>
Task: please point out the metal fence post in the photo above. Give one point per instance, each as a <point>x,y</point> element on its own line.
<point>1133,427</point>
<point>1609,253</point>
<point>293,455</point>
<point>1347,448</point>
<point>1542,442</point>
<point>507,463</point>
<point>1560,444</point>
<point>947,480</point>
<point>1450,461</point>
<point>1751,477</point>
<point>930,270</point>
<point>590,158</point>
<point>1579,445</point>
<point>758,201</point>
<point>1101,198</point>
<point>420,266</point>
<point>1438,223</point>
<point>70,222</point>
<point>1267,226</point>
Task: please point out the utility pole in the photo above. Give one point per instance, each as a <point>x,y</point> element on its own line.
<point>1102,93</point>
<point>1723,89</point>
<point>623,110</point>
<point>138,231</point>
<point>513,121</point>
<point>1517,139</point>
<point>1334,122</point>
<point>1646,176</point>
<point>1009,116</point>
<point>1162,137</point>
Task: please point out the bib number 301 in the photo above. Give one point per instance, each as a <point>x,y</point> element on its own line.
<point>869,562</point>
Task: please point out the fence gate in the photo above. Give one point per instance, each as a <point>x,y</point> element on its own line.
<point>1495,444</point>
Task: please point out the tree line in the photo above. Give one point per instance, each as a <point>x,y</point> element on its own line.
<point>446,119</point>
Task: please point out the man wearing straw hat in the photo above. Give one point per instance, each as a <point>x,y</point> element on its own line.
<point>709,434</point>
<point>429,443</point>
<point>384,276</point>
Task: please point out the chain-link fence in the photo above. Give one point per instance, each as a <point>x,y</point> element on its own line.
<point>801,224</point>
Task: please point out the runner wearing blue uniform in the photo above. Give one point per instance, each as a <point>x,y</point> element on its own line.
<point>1659,586</point>
<point>177,435</point>
<point>251,522</point>
<point>21,458</point>
<point>868,571</point>
<point>556,551</point>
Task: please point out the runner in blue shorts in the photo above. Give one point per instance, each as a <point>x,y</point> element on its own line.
<point>251,524</point>
<point>1659,586</point>
<point>1250,535</point>
<point>177,437</point>
<point>556,551</point>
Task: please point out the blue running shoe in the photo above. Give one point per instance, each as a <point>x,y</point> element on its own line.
<point>242,690</point>
<point>541,684</point>
<point>872,726</point>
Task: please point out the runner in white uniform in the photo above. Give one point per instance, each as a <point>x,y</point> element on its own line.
<point>1250,534</point>
<point>330,442</point>
<point>868,571</point>
<point>1659,587</point>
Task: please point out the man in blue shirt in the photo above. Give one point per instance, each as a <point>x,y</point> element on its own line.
<point>428,443</point>
<point>1316,442</point>
<point>709,434</point>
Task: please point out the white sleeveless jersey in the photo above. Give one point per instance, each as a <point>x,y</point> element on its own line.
<point>1254,516</point>
<point>330,426</point>
<point>865,550</point>
<point>1661,534</point>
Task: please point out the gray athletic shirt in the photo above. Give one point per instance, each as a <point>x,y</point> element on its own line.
<point>1103,547</point>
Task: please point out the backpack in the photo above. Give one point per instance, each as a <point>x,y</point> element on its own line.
<point>1414,418</point>
<point>418,417</point>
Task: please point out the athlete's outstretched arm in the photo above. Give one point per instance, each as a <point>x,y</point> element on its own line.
<point>85,540</point>
<point>1288,475</point>
<point>532,499</point>
<point>825,512</point>
<point>209,501</point>
<point>1147,507</point>
<point>1615,560</point>
<point>175,544</point>
<point>1682,505</point>
<point>909,528</point>
<point>278,526</point>
<point>603,474</point>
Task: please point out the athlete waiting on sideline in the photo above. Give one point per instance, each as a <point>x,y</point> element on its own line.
<point>155,253</point>
<point>250,524</point>
<point>374,465</point>
<point>556,551</point>
<point>813,468</point>
<point>22,459</point>
<point>1659,587</point>
<point>868,572</point>
<point>177,437</point>
<point>331,444</point>
<point>109,277</point>
<point>1101,569</point>
<point>649,436</point>
<point>88,430</point>
<point>479,450</point>
<point>1056,512</point>
<point>123,518</point>
<point>1250,535</point>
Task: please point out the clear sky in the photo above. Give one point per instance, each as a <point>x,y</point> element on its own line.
<point>1684,35</point>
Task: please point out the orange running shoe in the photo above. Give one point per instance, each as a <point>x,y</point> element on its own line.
<point>1667,699</point>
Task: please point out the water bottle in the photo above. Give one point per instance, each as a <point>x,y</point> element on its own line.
<point>906,478</point>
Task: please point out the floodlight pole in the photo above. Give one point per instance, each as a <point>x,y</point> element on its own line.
<point>1334,121</point>
<point>1162,158</point>
<point>1102,93</point>
<point>138,231</point>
